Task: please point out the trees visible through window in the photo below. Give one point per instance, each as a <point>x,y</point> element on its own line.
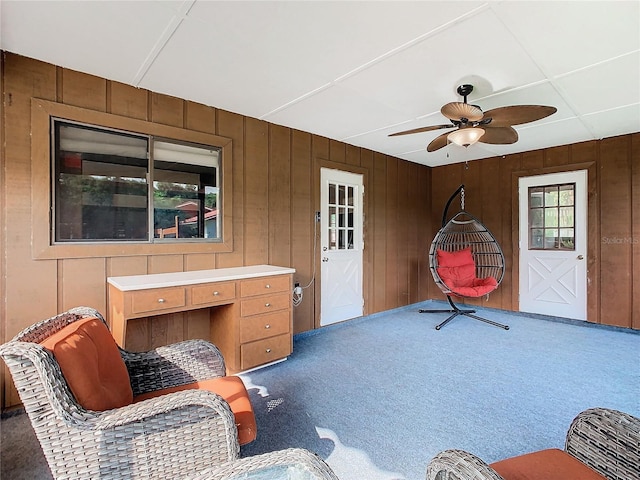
<point>114,186</point>
<point>552,217</point>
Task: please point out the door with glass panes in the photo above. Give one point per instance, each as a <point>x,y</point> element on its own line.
<point>553,244</point>
<point>341,246</point>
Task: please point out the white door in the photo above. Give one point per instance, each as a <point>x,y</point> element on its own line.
<point>341,245</point>
<point>553,244</point>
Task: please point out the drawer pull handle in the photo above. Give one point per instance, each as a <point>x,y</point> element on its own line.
<point>161,300</point>
<point>267,286</point>
<point>267,326</point>
<point>216,293</point>
<point>267,304</point>
<point>268,350</point>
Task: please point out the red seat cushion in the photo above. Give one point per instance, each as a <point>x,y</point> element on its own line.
<point>551,464</point>
<point>232,390</point>
<point>457,270</point>
<point>91,364</point>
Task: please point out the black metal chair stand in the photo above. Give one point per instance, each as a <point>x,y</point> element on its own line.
<point>455,310</point>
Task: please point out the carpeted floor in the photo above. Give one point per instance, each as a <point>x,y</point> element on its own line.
<point>377,397</point>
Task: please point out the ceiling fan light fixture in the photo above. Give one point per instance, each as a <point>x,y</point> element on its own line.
<point>466,136</point>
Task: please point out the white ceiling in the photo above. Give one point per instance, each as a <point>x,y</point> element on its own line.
<point>356,71</point>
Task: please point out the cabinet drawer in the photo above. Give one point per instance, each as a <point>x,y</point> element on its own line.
<point>263,326</point>
<point>157,299</point>
<point>260,286</point>
<point>265,351</point>
<point>213,293</point>
<point>267,304</point>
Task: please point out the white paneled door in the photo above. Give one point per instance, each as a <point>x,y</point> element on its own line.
<point>553,244</point>
<point>341,245</point>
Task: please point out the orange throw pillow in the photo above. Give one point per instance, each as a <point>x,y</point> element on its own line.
<point>550,464</point>
<point>232,390</point>
<point>91,364</point>
<point>456,269</point>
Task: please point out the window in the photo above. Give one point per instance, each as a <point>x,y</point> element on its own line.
<point>341,212</point>
<point>185,191</point>
<point>104,185</point>
<point>552,217</point>
<point>112,185</point>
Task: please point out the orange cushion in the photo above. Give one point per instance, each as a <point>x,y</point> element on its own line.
<point>457,258</point>
<point>551,464</point>
<point>233,391</point>
<point>457,270</point>
<point>91,364</point>
<point>477,288</point>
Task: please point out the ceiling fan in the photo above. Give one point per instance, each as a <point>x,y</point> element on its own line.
<point>473,125</point>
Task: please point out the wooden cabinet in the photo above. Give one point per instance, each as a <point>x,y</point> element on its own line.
<point>249,309</point>
<point>265,326</point>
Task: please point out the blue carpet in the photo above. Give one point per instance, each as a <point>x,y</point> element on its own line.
<point>378,396</point>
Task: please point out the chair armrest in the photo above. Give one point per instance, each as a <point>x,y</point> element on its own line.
<point>606,440</point>
<point>303,460</point>
<point>190,424</point>
<point>459,465</point>
<point>160,406</point>
<point>87,312</point>
<point>172,365</point>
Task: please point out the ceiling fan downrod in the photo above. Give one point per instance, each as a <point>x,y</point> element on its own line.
<point>464,91</point>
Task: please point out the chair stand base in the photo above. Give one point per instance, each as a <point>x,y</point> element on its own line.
<point>455,311</point>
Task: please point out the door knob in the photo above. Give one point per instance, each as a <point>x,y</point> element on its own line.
<point>580,257</point>
<point>325,259</point>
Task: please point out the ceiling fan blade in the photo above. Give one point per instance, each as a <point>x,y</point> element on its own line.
<point>499,135</point>
<point>458,110</point>
<point>438,142</point>
<point>518,114</point>
<point>421,129</point>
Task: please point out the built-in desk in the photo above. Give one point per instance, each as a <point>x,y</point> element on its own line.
<point>248,308</point>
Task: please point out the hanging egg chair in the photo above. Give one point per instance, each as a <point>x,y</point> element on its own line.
<point>465,260</point>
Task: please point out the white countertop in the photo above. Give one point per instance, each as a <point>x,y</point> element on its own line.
<point>160,280</point>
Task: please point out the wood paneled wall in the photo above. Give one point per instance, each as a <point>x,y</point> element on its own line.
<point>274,174</point>
<point>274,198</point>
<point>613,244</point>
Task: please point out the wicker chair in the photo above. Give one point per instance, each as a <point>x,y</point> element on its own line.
<point>465,260</point>
<point>177,435</point>
<point>607,441</point>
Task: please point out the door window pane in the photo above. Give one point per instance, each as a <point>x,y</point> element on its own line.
<point>536,197</point>
<point>551,196</point>
<point>536,217</point>
<point>566,216</point>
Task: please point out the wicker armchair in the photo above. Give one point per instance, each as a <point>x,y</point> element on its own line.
<point>607,441</point>
<point>177,435</point>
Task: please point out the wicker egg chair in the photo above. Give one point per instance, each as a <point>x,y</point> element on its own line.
<point>465,260</point>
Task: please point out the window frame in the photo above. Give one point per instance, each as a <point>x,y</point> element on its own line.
<point>43,246</point>
<point>544,208</point>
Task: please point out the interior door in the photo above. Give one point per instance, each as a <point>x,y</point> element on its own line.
<point>553,244</point>
<point>341,246</point>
